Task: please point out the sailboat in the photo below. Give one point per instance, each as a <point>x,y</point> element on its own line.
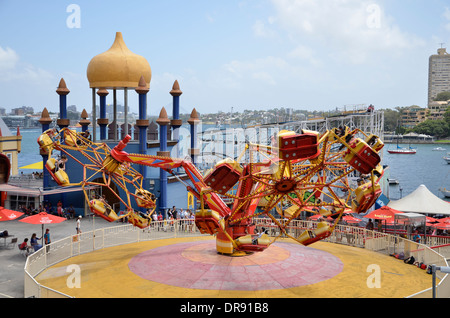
<point>403,150</point>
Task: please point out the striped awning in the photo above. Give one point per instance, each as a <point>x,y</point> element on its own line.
<point>34,166</point>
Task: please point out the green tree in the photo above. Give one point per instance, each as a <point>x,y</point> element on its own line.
<point>447,116</point>
<point>391,119</point>
<point>437,128</point>
<point>443,97</point>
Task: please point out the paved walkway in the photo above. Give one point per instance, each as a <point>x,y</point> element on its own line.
<point>12,262</point>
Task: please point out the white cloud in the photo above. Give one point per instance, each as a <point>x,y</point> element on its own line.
<point>447,17</point>
<point>12,69</point>
<point>8,59</point>
<point>265,69</point>
<point>353,30</point>
<point>303,52</point>
<point>263,29</point>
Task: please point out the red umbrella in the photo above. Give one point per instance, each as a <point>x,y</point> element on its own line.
<point>43,218</point>
<point>316,217</point>
<point>431,220</point>
<point>442,226</point>
<point>384,213</point>
<point>444,220</point>
<point>7,215</point>
<point>350,219</point>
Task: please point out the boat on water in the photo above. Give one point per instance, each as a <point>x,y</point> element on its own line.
<point>392,181</point>
<point>403,151</point>
<point>447,158</point>
<point>439,149</point>
<point>445,192</point>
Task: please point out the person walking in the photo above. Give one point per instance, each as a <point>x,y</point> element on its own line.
<point>79,224</point>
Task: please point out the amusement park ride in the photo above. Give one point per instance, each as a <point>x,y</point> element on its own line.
<point>309,172</point>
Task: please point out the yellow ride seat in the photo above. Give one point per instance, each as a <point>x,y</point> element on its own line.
<point>99,208</point>
<point>70,137</point>
<point>139,220</point>
<point>45,142</point>
<point>61,178</point>
<point>51,164</point>
<point>144,198</point>
<point>308,237</point>
<point>366,195</point>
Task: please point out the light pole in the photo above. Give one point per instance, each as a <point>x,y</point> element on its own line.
<point>435,268</point>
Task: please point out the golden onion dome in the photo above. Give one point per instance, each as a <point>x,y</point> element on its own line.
<point>118,67</point>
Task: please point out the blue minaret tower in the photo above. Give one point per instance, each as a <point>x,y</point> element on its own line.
<point>84,122</point>
<point>163,121</point>
<point>193,122</point>
<point>45,121</point>
<point>62,91</point>
<point>176,122</point>
<point>102,121</point>
<point>142,122</point>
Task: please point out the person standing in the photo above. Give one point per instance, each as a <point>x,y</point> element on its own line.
<point>47,240</point>
<point>59,208</point>
<point>79,224</point>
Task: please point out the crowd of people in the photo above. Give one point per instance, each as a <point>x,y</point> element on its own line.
<point>33,175</point>
<point>185,219</point>
<point>47,207</point>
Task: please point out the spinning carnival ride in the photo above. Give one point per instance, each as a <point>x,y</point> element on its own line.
<point>326,175</point>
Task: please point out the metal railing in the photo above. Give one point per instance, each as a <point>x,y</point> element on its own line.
<point>125,234</point>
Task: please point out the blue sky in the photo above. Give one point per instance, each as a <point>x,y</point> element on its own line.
<point>247,54</point>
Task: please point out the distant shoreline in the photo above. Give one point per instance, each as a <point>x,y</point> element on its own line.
<point>404,141</point>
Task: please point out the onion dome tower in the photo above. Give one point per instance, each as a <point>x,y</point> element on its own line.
<point>117,68</point>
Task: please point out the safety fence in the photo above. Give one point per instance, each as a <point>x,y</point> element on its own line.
<point>98,239</point>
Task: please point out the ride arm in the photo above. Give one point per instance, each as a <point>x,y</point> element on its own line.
<point>168,164</point>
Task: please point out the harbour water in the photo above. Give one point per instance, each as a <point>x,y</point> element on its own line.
<point>425,167</point>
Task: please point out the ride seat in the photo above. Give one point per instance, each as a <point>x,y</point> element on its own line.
<point>224,176</point>
<point>61,178</point>
<point>361,156</point>
<point>321,232</point>
<point>294,146</point>
<point>366,195</point>
<point>208,221</point>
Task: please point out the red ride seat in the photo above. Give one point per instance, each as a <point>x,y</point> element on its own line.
<point>293,146</point>
<point>208,221</point>
<point>361,156</point>
<point>224,176</point>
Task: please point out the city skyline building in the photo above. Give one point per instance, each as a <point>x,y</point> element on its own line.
<point>438,74</point>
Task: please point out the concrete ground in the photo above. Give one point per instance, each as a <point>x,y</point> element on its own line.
<point>12,262</point>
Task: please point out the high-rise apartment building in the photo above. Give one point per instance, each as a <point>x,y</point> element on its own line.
<point>438,74</point>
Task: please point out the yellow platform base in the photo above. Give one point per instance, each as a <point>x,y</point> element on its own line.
<point>106,273</point>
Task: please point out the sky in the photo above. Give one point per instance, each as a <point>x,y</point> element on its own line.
<point>241,54</point>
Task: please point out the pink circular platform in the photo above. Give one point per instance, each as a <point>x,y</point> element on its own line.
<point>197,265</point>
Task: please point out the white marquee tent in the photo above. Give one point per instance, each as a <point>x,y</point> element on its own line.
<point>422,201</point>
